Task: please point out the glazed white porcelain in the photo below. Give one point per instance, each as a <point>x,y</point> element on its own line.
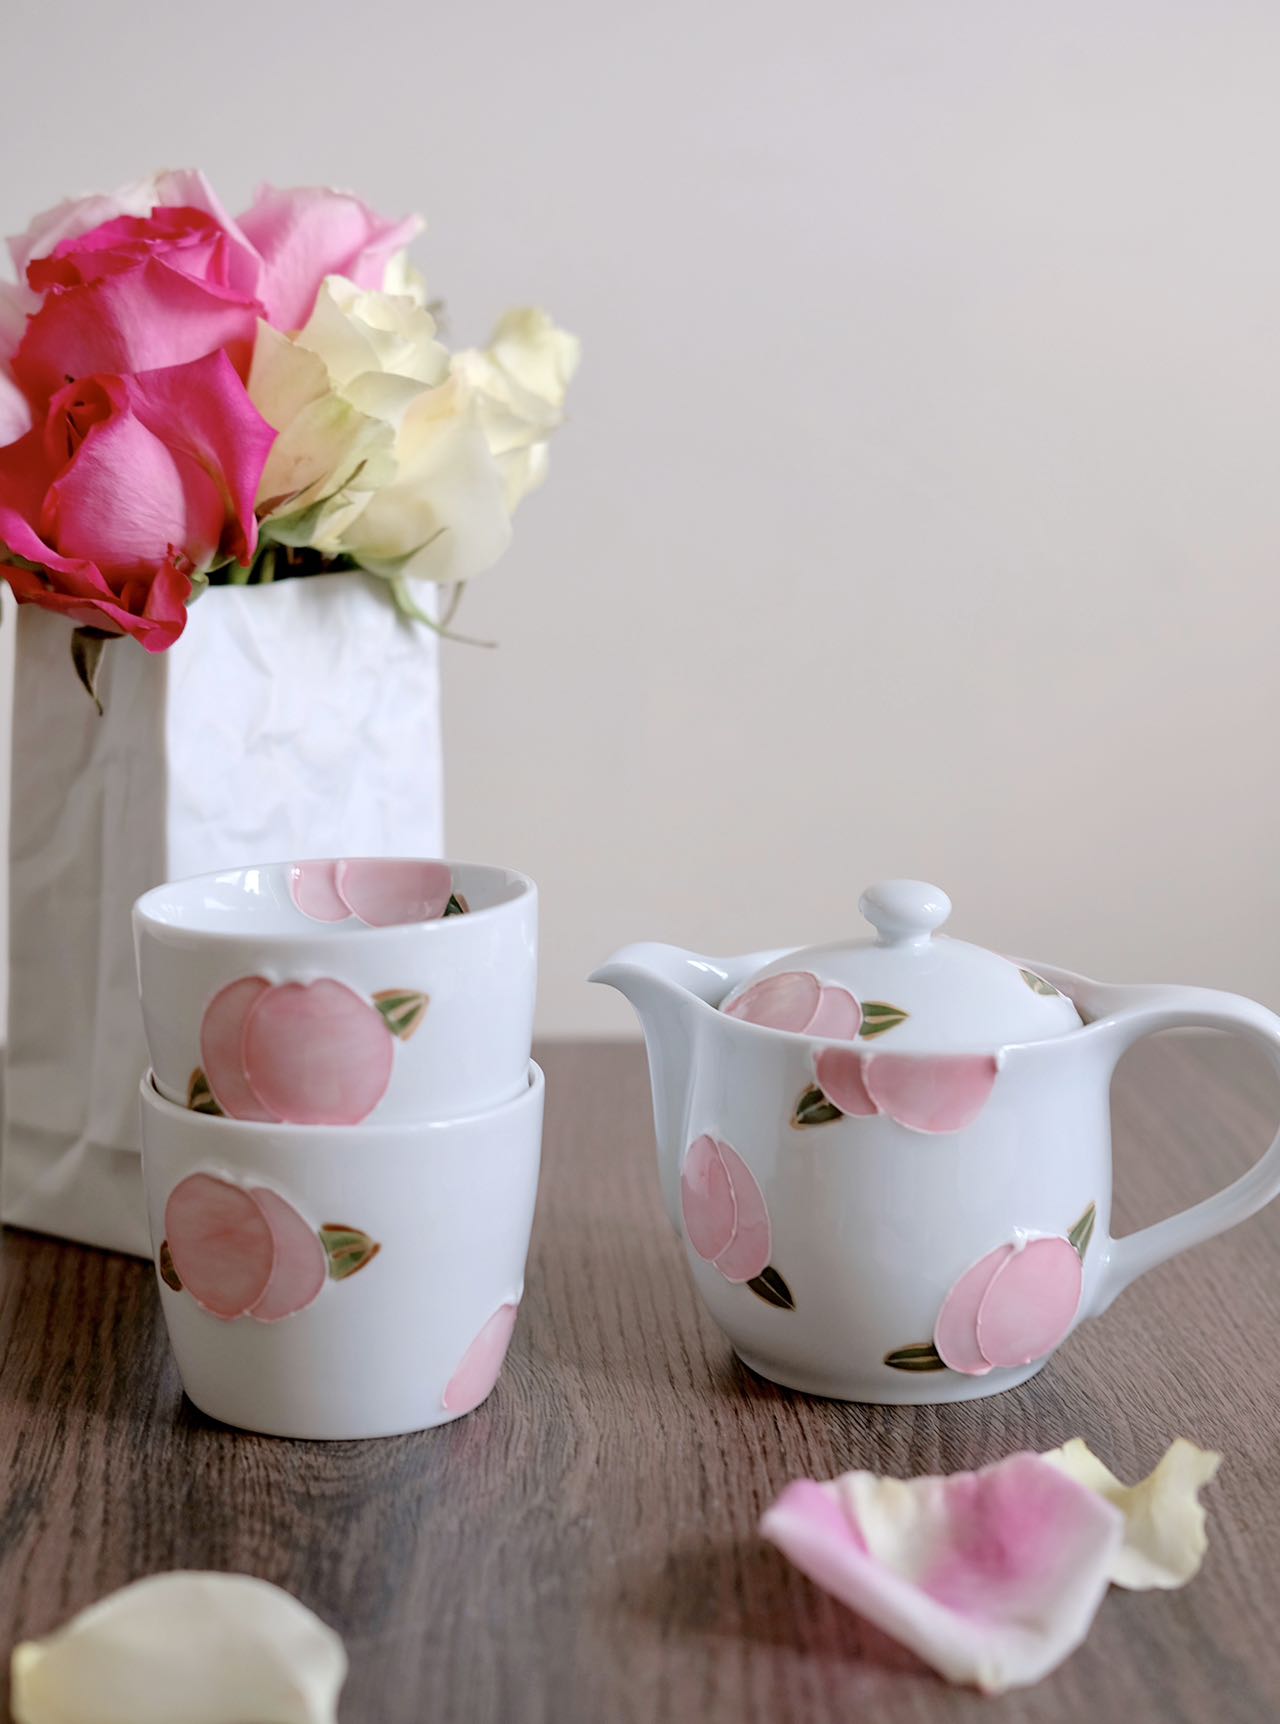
<point>422,1235</point>
<point>422,1020</point>
<point>954,1200</point>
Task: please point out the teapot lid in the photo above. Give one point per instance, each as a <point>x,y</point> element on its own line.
<point>917,989</point>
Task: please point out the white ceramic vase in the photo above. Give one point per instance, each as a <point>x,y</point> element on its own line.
<point>298,719</point>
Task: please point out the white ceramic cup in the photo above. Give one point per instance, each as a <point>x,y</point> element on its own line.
<point>330,993</point>
<point>353,1282</point>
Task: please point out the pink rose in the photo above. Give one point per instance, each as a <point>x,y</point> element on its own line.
<point>126,487</point>
<point>310,232</point>
<point>184,188</point>
<point>138,293</point>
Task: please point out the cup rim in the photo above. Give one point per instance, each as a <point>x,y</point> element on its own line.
<point>220,1125</point>
<point>145,917</point>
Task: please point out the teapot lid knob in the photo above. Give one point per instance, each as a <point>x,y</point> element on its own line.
<point>904,912</point>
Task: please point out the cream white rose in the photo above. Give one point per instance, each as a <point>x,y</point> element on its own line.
<point>521,380</point>
<point>393,454</point>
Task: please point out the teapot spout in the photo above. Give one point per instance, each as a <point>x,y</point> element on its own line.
<point>659,982</point>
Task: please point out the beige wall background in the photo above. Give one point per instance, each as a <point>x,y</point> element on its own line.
<point>919,512</point>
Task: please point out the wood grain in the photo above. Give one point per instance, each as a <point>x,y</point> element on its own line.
<point>582,1550</point>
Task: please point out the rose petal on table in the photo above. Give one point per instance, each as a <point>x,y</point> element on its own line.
<point>992,1578</point>
<point>1164,1533</point>
<point>183,1648</point>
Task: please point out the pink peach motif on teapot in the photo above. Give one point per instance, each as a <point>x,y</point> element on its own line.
<point>932,1093</point>
<point>245,1251</point>
<point>1010,1308</point>
<point>796,1000</point>
<point>726,1219</point>
<point>381,892</point>
<point>299,1053</point>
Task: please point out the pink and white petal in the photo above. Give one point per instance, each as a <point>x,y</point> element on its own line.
<point>992,1578</point>
<point>955,1334</point>
<point>706,1199</point>
<point>748,1252</point>
<point>1031,1302</point>
<point>301,1265</point>
<point>840,1073</point>
<point>313,886</point>
<point>785,1002</point>
<point>482,1363</point>
<point>838,1017</point>
<point>221,1244</point>
<point>388,892</point>
<point>315,1053</point>
<point>222,1048</point>
<point>932,1093</point>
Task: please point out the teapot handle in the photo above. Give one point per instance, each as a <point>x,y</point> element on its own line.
<point>1143,1011</point>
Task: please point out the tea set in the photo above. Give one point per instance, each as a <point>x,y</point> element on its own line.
<point>889,1157</point>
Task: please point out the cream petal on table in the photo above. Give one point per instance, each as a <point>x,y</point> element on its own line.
<point>184,1648</point>
<point>1165,1538</point>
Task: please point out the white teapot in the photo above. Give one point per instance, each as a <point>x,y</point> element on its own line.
<point>890,1159</point>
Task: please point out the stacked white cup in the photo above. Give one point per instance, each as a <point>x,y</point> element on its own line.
<point>341,1136</point>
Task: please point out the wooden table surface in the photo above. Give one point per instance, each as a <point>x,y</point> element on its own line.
<point>583,1549</point>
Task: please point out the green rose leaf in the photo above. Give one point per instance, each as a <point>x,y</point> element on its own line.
<point>1082,1232</point>
<point>919,1356</point>
<point>813,1108</point>
<point>200,1097</point>
<point>86,655</point>
<point>770,1286</point>
<point>347,1248</point>
<point>878,1016</point>
<point>168,1274</point>
<point>402,1010</point>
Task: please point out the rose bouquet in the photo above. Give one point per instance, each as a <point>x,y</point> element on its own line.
<point>187,398</point>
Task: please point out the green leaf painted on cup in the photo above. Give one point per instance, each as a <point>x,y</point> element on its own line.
<point>770,1286</point>
<point>879,1016</point>
<point>919,1356</point>
<point>457,905</point>
<point>1082,1232</point>
<point>200,1097</point>
<point>1038,985</point>
<point>402,1010</point>
<point>347,1248</point>
<point>168,1273</point>
<point>813,1108</point>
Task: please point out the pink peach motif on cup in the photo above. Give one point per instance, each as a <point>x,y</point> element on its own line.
<point>727,1221</point>
<point>932,1093</point>
<point>299,1053</point>
<point>245,1251</point>
<point>1010,1308</point>
<point>482,1363</point>
<point>381,892</point>
<point>797,1001</point>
